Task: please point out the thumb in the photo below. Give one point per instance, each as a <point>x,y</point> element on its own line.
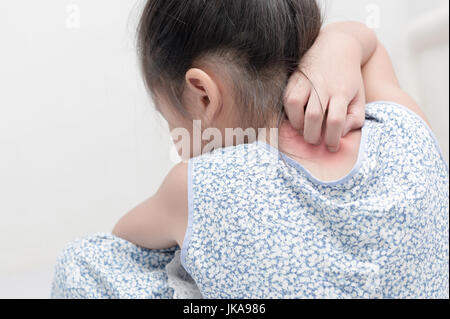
<point>356,114</point>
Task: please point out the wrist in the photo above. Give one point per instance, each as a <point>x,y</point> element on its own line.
<point>337,40</point>
<point>365,39</point>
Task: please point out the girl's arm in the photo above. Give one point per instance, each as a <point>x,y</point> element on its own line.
<point>380,80</point>
<point>328,88</point>
<point>159,222</point>
<point>346,68</point>
<point>364,37</point>
<point>382,84</point>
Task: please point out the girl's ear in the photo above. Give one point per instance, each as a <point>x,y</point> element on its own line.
<point>204,94</point>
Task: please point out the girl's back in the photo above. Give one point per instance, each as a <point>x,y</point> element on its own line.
<point>261,226</point>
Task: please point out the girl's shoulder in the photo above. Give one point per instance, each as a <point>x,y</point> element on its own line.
<point>405,127</point>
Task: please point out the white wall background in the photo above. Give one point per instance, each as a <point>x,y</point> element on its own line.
<point>79,142</point>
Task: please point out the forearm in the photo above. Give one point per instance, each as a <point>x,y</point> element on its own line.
<point>379,76</point>
<point>381,82</point>
<point>365,39</point>
<point>146,226</point>
<point>159,222</point>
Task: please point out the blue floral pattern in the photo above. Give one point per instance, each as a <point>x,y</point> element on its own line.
<point>103,266</point>
<point>261,226</point>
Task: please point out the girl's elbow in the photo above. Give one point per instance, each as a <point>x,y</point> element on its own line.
<point>119,231</point>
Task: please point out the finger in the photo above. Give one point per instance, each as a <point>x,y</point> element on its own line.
<point>336,120</point>
<point>356,114</point>
<point>313,120</point>
<point>298,92</point>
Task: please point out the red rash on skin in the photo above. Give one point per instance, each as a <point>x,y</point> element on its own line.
<point>294,145</point>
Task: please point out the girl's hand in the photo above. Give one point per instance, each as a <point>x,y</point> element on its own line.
<point>329,79</point>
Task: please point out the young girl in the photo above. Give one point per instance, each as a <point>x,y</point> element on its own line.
<point>323,210</point>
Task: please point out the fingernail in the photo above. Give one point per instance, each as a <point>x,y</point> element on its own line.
<point>333,149</point>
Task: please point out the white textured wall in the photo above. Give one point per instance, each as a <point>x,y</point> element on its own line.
<point>79,142</point>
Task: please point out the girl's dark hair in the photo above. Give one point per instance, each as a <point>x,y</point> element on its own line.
<point>258,43</point>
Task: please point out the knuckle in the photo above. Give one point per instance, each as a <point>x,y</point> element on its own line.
<point>313,115</point>
<point>319,81</point>
<point>359,123</point>
<point>361,119</point>
<point>357,120</point>
<point>293,102</point>
<point>335,121</point>
<point>342,97</point>
<point>339,98</point>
